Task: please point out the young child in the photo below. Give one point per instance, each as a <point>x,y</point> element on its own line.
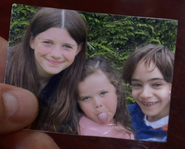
<point>48,62</point>
<point>149,70</point>
<point>102,101</point>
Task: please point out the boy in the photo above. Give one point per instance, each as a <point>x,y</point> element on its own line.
<point>149,70</point>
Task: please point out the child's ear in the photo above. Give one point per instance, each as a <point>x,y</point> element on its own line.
<point>79,48</point>
<point>32,45</point>
<point>170,89</point>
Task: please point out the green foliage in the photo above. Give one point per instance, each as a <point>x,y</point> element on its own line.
<point>113,36</point>
<point>20,18</point>
<point>128,91</point>
<point>123,34</point>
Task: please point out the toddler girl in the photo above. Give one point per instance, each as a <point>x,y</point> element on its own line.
<point>102,101</point>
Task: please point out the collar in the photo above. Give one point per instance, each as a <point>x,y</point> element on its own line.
<point>157,124</point>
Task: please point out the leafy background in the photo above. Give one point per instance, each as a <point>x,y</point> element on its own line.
<point>114,37</point>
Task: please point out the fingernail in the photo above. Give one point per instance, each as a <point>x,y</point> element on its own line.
<point>10,103</point>
<point>21,105</point>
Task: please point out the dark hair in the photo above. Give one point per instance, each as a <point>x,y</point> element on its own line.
<point>161,56</point>
<point>97,63</point>
<point>22,63</point>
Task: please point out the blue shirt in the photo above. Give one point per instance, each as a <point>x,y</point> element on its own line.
<point>141,130</point>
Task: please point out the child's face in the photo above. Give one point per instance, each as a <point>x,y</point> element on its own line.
<point>151,91</point>
<point>98,99</point>
<point>54,50</point>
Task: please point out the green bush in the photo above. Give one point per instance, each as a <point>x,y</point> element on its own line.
<point>113,36</point>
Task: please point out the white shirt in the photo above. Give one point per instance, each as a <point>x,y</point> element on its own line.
<point>157,124</point>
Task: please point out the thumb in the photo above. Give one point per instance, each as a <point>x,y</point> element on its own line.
<point>18,108</point>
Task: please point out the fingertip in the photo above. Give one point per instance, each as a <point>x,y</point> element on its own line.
<point>37,140</point>
<point>21,105</point>
<point>19,108</point>
<point>28,139</point>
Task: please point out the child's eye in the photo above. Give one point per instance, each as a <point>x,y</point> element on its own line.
<point>47,42</point>
<point>103,93</point>
<point>136,85</point>
<point>67,46</point>
<point>157,84</point>
<point>85,98</point>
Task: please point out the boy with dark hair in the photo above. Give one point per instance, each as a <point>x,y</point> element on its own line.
<point>149,70</point>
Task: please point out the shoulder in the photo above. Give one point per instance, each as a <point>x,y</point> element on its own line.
<point>135,109</point>
<point>132,107</point>
<point>137,117</point>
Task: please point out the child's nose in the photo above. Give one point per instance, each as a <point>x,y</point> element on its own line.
<point>56,52</point>
<point>98,103</point>
<point>146,92</point>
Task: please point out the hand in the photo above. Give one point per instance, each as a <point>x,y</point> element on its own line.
<point>18,109</point>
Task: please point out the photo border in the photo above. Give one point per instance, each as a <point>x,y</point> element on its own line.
<point>85,13</point>
<point>154,8</point>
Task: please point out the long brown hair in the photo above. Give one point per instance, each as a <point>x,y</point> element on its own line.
<point>21,69</point>
<point>90,67</point>
<point>162,57</point>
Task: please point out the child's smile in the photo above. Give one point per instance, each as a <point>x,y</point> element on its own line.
<point>54,51</point>
<point>151,91</point>
<point>149,104</point>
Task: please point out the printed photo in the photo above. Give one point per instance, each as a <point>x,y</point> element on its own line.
<point>94,74</point>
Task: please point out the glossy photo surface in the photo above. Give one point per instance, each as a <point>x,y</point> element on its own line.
<point>114,36</point>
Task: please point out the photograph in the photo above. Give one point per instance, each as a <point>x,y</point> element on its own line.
<point>94,74</point>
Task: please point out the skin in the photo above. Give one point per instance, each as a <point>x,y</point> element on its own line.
<point>54,51</point>
<point>151,91</point>
<point>13,117</point>
<point>97,95</point>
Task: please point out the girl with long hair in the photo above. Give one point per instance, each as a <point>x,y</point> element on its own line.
<point>48,62</point>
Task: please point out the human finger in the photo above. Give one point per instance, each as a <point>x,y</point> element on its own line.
<point>18,108</point>
<point>27,139</point>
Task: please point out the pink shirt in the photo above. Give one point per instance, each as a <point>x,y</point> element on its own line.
<point>91,128</point>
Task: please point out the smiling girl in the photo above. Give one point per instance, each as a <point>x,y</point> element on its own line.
<point>48,62</point>
<point>149,70</point>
